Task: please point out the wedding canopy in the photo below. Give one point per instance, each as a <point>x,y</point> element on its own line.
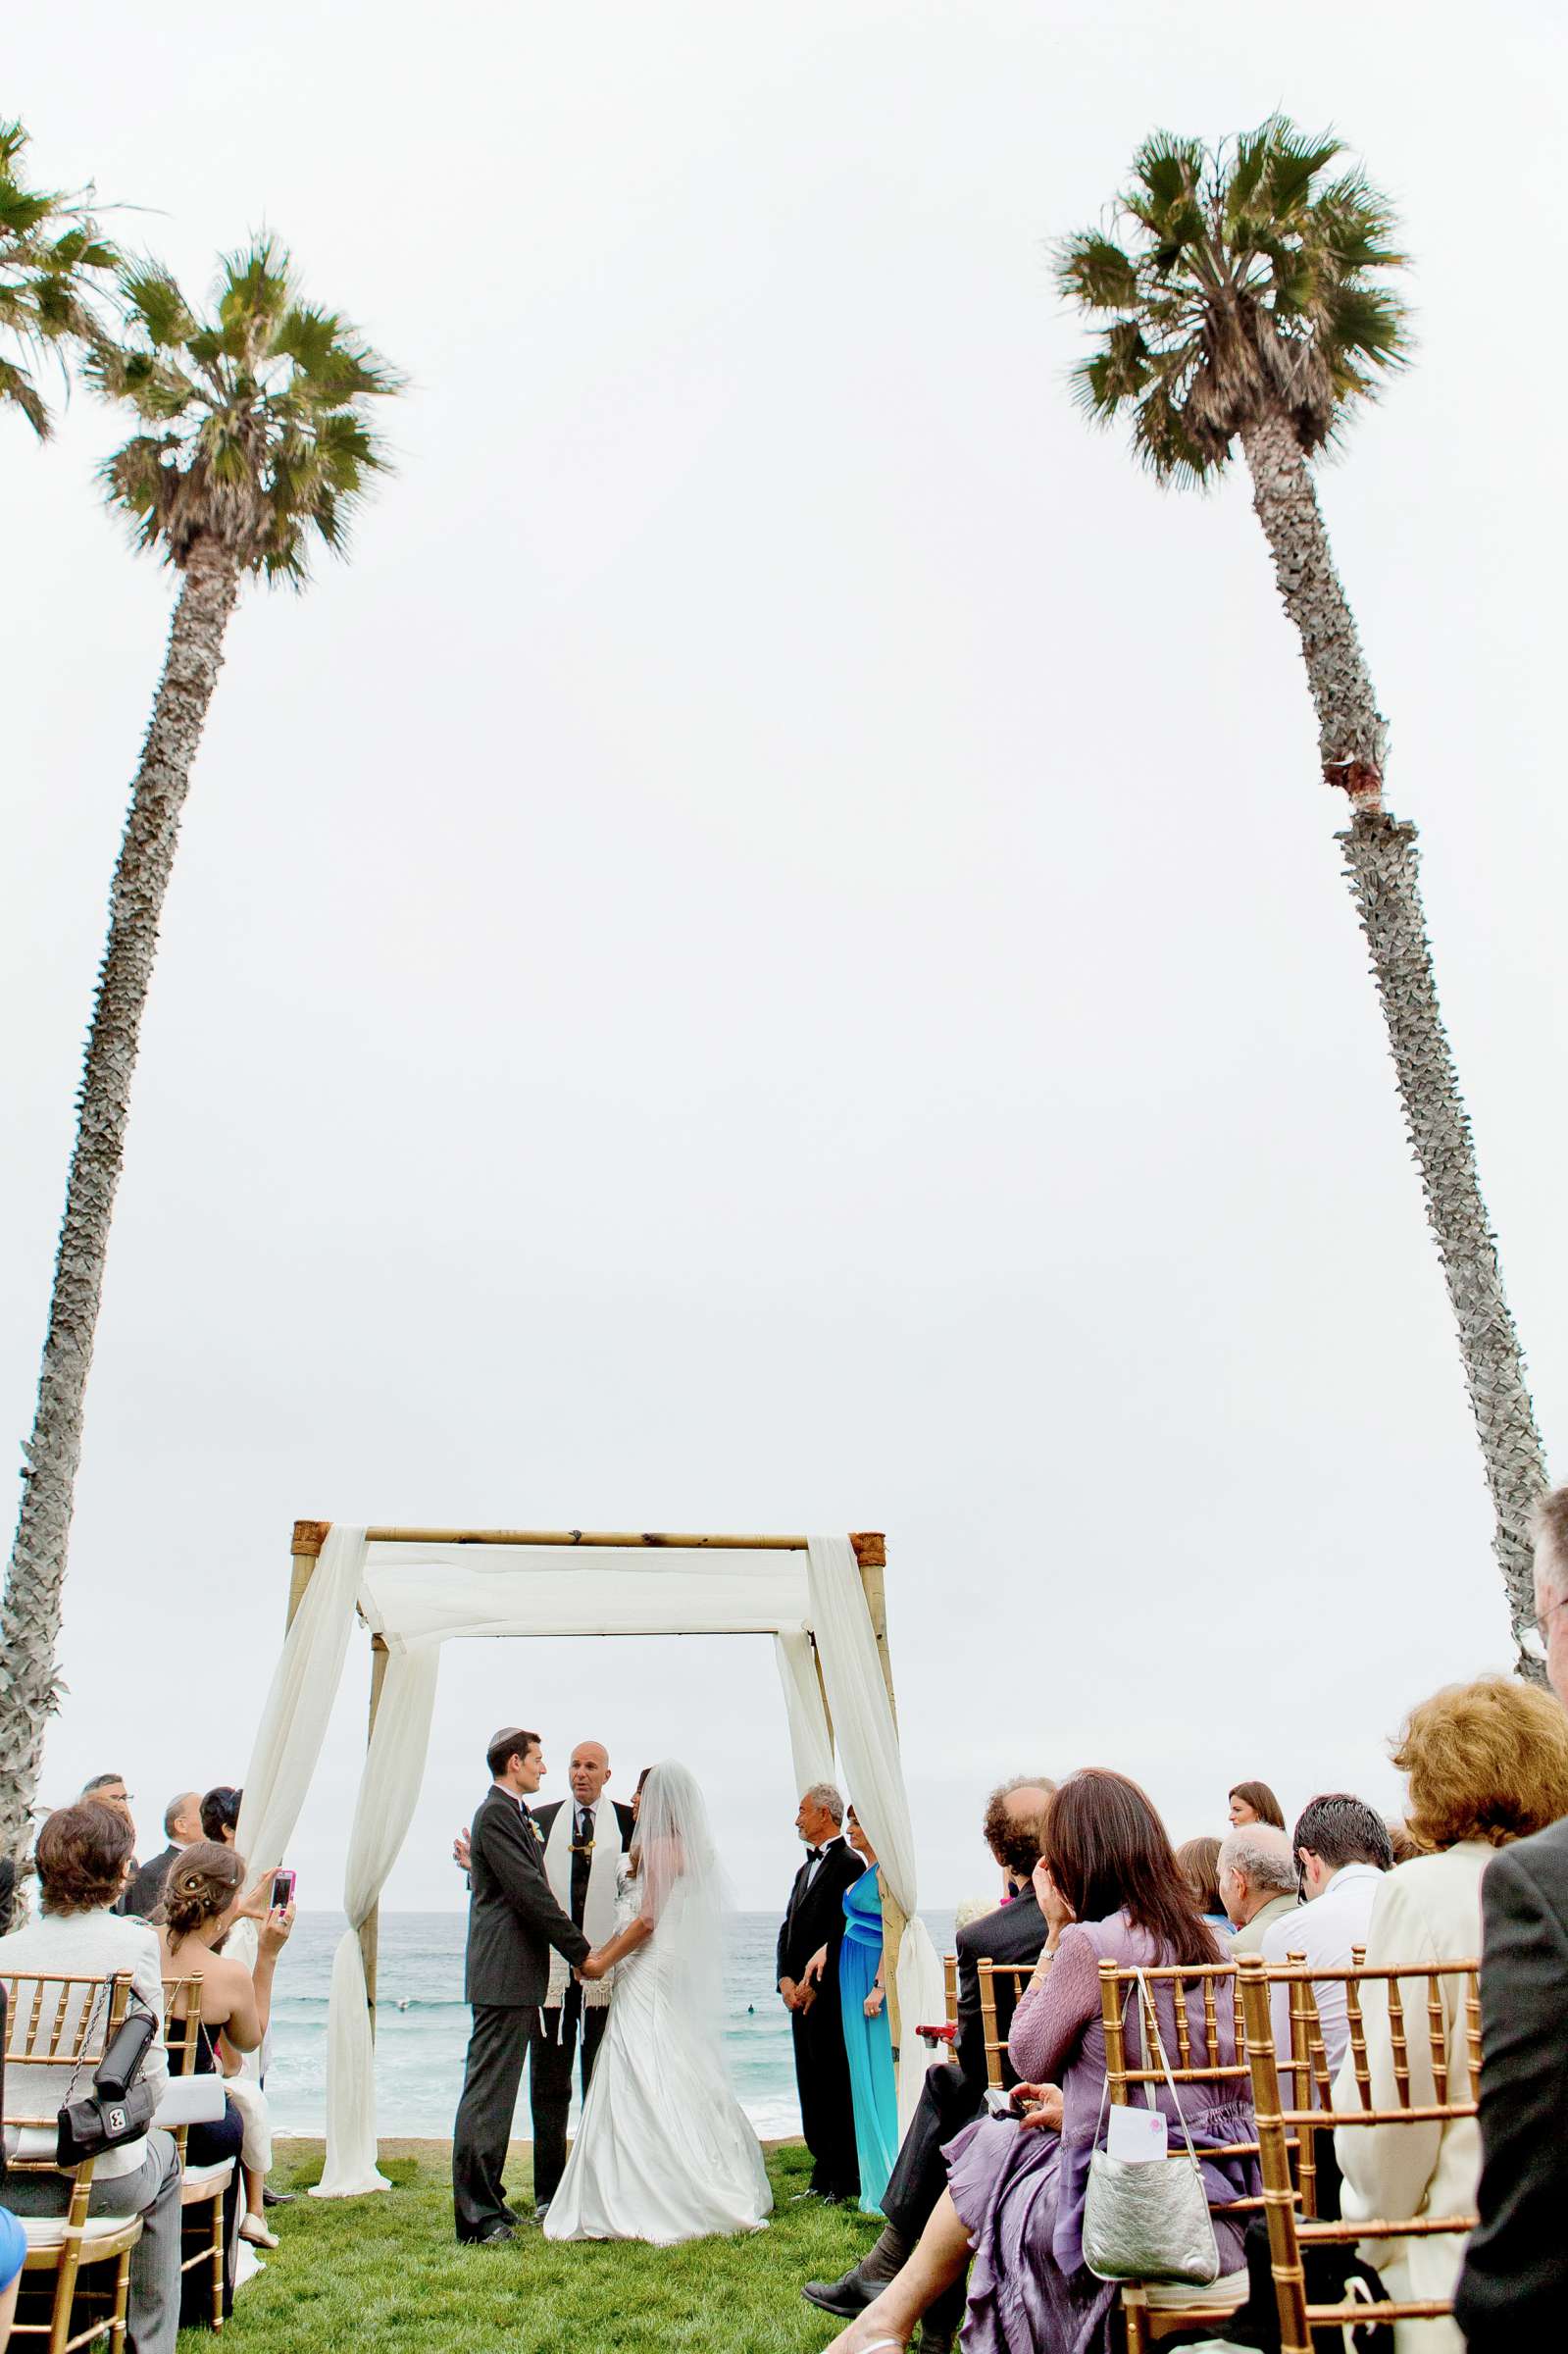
<point>820,1598</point>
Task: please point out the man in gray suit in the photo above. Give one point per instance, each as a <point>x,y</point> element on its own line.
<point>513,1921</point>
<point>1513,2292</point>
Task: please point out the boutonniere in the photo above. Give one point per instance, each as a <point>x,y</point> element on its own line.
<point>534,1826</point>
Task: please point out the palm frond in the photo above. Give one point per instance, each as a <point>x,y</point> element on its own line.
<point>267,443</point>
<point>1251,279</point>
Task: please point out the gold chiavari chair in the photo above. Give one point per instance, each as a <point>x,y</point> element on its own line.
<point>1452,1991</point>
<point>201,2187</point>
<point>75,2278</point>
<point>997,2010</point>
<point>1155,2310</point>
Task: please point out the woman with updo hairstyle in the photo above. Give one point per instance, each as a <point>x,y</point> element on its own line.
<point>204,1895</point>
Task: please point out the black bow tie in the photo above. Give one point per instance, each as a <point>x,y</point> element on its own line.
<point>814,1854</point>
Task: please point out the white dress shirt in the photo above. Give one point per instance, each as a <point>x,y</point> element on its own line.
<point>1325,1931</point>
<point>814,1864</point>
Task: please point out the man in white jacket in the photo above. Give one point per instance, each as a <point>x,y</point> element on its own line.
<point>1341,1851</point>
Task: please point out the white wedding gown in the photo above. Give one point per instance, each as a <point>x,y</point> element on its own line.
<point>663,2151</point>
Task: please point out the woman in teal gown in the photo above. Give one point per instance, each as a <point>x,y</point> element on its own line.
<point>867,2039</point>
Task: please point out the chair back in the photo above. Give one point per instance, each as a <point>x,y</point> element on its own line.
<point>56,2028</point>
<point>1403,2074</point>
<point>1202,1997</point>
<point>182,2032</point>
<point>1001,1985</point>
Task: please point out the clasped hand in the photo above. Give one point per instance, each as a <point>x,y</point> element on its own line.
<point>593,1968</point>
<point>1040,2106</point>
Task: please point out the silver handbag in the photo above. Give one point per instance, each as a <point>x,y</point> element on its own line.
<point>1150,2221</point>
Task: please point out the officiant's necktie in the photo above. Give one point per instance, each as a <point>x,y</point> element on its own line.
<point>581,1863</point>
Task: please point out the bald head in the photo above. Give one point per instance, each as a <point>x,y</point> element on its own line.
<point>589,1771</point>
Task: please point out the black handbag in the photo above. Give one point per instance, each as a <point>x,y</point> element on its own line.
<point>120,2107</point>
<point>1329,2272</point>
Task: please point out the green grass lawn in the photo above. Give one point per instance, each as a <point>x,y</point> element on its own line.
<point>386,2271</point>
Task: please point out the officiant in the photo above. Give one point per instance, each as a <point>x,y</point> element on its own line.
<point>586,1837</point>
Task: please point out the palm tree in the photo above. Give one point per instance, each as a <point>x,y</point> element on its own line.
<point>258,444</point>
<point>1243,299</point>
<point>52,262</point>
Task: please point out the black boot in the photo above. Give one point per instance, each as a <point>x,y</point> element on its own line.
<point>865,2280</point>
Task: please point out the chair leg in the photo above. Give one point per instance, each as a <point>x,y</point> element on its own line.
<point>217,2264</point>
<point>1135,2313</point>
<point>122,2303</point>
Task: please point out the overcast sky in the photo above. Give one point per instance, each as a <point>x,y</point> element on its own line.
<point>771,954</point>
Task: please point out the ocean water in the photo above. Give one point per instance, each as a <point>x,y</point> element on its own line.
<point>421,2024</point>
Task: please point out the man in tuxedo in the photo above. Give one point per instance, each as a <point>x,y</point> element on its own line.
<point>954,2091</point>
<point>1513,2291</point>
<point>585,1838</point>
<point>814,1918</point>
<point>182,1829</point>
<point>512,1921</point>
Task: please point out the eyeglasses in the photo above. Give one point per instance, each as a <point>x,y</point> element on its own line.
<point>1535,1637</point>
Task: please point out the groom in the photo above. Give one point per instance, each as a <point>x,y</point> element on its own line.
<point>512,1921</point>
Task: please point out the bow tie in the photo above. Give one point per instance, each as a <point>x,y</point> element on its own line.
<point>814,1854</point>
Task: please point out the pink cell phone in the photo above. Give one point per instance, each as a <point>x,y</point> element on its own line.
<point>283,1890</point>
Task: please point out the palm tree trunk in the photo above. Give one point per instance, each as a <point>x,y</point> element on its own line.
<point>1353,735</point>
<point>1383,866</point>
<point>30,1616</point>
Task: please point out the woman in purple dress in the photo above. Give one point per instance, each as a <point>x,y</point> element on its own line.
<point>1110,1890</point>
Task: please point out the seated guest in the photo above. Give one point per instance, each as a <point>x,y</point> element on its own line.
<point>1110,1890</point>
<point>1403,1848</point>
<point>82,1855</point>
<point>953,2092</point>
<point>1513,2293</point>
<point>220,1813</point>
<point>1342,1849</point>
<point>181,1828</point>
<point>1255,1802</point>
<point>1487,1764</point>
<point>1198,1861</point>
<point>202,1901</point>
<point>1256,1877</point>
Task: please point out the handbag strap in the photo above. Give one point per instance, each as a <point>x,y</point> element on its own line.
<point>1151,2017</point>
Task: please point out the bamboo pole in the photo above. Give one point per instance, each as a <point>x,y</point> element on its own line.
<point>871,1555</point>
<point>588,1537</point>
<point>370,1927</point>
<point>304,1551</point>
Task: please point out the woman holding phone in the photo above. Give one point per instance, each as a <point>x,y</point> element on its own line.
<point>204,1896</point>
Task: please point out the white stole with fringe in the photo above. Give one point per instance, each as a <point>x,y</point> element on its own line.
<point>598,1909</point>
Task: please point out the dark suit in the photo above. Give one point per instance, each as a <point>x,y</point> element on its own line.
<point>815,1918</point>
<point>954,2091</point>
<point>147,1886</point>
<point>1513,2292</point>
<point>553,2037</point>
<point>513,1921</point>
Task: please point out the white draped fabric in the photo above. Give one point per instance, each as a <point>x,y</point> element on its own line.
<point>293,1724</point>
<point>867,1743</point>
<point>394,1768</point>
<point>810,1742</point>
<point>417,1595</point>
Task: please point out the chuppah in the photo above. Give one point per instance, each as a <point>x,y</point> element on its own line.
<point>820,1600</point>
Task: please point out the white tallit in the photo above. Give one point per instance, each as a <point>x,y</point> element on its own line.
<point>598,1910</point>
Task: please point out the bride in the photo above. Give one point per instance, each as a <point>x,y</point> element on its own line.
<point>663,2151</point>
